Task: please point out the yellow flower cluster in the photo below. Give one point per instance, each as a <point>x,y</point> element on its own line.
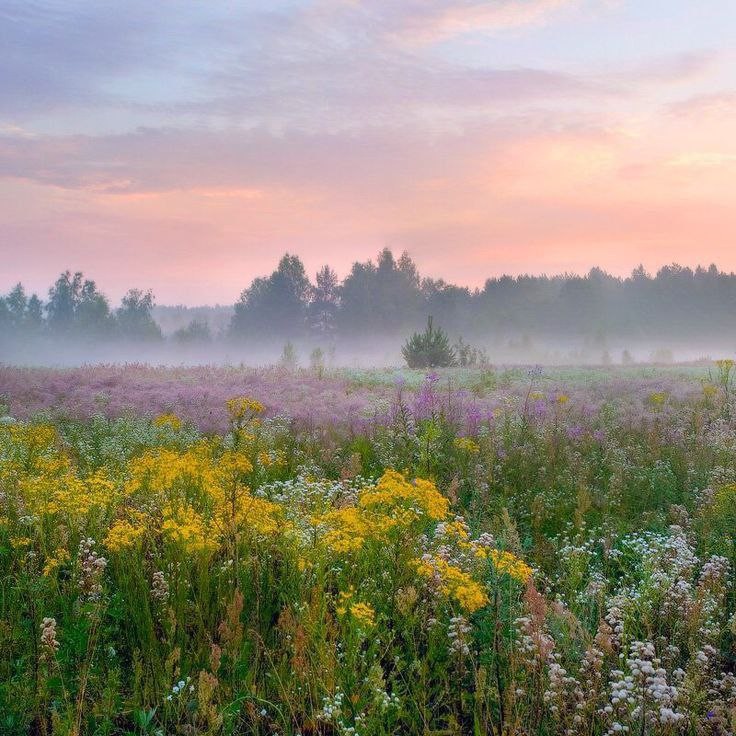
<point>189,529</point>
<point>454,582</point>
<point>466,444</point>
<point>53,563</point>
<point>362,613</point>
<point>259,517</point>
<point>346,529</point>
<point>197,503</point>
<point>658,398</point>
<point>202,495</point>
<point>162,471</point>
<point>168,419</point>
<point>509,564</point>
<point>123,535</point>
<point>242,408</point>
<point>393,504</point>
<point>394,494</point>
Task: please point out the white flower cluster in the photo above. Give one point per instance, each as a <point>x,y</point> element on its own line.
<point>92,567</point>
<point>180,688</point>
<point>644,695</point>
<point>458,633</point>
<point>49,642</point>
<point>332,706</point>
<point>159,587</point>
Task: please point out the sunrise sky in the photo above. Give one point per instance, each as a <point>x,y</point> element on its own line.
<point>185,145</point>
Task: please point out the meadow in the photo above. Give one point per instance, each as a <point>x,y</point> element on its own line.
<point>261,551</point>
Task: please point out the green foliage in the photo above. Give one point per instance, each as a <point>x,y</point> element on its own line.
<point>289,357</point>
<point>317,361</point>
<point>196,332</point>
<point>469,356</point>
<point>274,306</point>
<point>134,318</point>
<point>429,349</point>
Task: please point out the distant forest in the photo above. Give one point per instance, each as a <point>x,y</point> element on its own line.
<point>388,298</point>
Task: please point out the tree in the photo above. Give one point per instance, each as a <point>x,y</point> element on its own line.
<point>428,349</point>
<point>19,313</point>
<point>75,305</point>
<point>274,306</point>
<point>34,314</point>
<point>134,318</point>
<point>17,304</point>
<point>63,299</point>
<point>325,302</point>
<point>92,313</point>
<point>197,331</point>
<point>289,357</point>
<point>384,297</point>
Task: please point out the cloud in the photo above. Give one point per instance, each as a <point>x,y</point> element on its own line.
<point>320,64</point>
<point>703,159</point>
<point>718,104</point>
<point>379,157</point>
<point>427,21</point>
<point>151,135</point>
<point>675,68</point>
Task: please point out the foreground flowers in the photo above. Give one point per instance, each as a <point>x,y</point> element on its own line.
<point>189,559</point>
<point>412,580</point>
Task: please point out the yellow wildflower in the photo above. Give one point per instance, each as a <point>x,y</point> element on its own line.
<point>53,563</point>
<point>123,535</point>
<point>454,582</point>
<point>658,398</point>
<point>510,564</point>
<point>243,408</point>
<point>169,419</point>
<point>466,444</point>
<point>235,463</point>
<point>393,491</point>
<point>364,614</point>
<point>346,529</point>
<point>186,527</point>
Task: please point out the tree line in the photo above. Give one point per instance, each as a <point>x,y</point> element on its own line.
<point>387,297</point>
<point>76,308</point>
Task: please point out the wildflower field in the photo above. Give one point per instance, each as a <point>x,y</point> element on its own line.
<point>231,551</point>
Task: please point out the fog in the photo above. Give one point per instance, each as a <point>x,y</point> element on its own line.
<point>676,315</point>
<point>377,352</point>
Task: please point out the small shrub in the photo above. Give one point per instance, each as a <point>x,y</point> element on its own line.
<point>289,357</point>
<point>429,349</point>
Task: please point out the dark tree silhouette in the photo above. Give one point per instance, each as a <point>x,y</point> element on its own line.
<point>134,318</point>
<point>275,305</point>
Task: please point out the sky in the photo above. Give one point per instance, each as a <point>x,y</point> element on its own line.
<point>184,145</point>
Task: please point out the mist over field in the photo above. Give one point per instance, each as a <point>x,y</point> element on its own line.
<point>675,315</point>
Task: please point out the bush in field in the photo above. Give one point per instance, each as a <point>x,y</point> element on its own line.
<point>429,349</point>
<point>317,361</point>
<point>289,357</point>
<point>469,356</point>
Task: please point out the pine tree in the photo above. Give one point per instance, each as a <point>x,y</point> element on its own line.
<point>429,349</point>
